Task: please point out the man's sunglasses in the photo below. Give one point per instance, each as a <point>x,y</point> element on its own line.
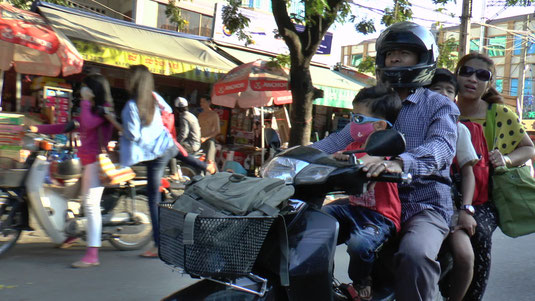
<point>481,74</point>
<point>359,118</point>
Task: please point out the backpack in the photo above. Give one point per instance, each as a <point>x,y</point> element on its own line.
<point>227,193</point>
<point>481,169</point>
<point>168,120</point>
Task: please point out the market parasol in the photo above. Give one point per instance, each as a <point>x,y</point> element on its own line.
<point>31,46</point>
<point>255,84</point>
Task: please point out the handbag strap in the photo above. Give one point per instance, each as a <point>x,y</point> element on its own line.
<point>490,127</point>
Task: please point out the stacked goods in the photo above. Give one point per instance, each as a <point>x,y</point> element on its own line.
<point>58,101</point>
<point>11,135</point>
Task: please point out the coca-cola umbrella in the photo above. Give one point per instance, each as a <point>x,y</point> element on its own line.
<point>255,84</point>
<point>31,46</point>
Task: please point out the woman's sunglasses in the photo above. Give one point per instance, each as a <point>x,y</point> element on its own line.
<point>359,118</point>
<point>481,74</point>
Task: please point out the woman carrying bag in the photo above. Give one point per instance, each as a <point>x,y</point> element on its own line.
<point>95,126</point>
<point>509,146</point>
<point>145,139</point>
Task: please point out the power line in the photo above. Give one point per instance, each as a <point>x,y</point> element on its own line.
<point>382,12</point>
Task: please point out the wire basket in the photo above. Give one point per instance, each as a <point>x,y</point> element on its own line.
<point>222,247</point>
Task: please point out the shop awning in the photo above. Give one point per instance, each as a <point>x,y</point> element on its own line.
<point>119,43</point>
<point>339,89</point>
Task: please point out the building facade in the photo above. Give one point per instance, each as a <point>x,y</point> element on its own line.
<point>503,41</point>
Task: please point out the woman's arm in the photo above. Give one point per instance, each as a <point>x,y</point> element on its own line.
<point>131,122</point>
<point>522,153</point>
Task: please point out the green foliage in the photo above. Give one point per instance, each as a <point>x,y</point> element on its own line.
<point>25,4</point>
<point>365,26</point>
<point>448,54</point>
<point>400,12</point>
<point>367,65</point>
<point>282,60</point>
<point>235,22</point>
<point>174,14</point>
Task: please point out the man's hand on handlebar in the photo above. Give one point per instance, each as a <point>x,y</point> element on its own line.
<point>376,167</point>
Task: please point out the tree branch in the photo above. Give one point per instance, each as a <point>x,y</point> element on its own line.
<point>286,28</point>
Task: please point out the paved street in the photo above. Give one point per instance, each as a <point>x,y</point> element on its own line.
<point>35,270</point>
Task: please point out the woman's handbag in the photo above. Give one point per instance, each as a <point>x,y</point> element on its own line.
<point>513,190</point>
<point>110,174</point>
<point>514,196</point>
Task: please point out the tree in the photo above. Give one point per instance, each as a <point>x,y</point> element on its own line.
<point>316,17</point>
<point>25,4</point>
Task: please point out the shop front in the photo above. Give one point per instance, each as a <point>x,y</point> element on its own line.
<point>183,65</point>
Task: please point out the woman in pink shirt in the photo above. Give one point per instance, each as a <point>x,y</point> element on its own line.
<point>93,123</point>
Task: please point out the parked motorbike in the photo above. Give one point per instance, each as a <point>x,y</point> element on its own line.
<point>311,233</point>
<point>48,185</point>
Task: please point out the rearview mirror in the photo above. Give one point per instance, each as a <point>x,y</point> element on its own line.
<point>385,143</point>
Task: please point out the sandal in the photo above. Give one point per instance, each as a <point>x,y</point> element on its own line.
<point>349,291</point>
<point>364,288</point>
<point>151,253</point>
<point>69,242</point>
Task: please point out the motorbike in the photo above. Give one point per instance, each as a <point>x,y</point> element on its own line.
<point>48,184</point>
<point>311,233</point>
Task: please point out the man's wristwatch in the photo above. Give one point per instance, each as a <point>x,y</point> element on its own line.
<point>469,209</point>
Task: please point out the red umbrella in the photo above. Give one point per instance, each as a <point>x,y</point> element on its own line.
<point>29,44</point>
<point>255,84</point>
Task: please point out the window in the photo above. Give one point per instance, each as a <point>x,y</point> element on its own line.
<point>518,46</point>
<point>514,87</point>
<point>496,46</point>
<point>206,25</point>
<point>528,87</point>
<point>474,45</point>
<point>356,59</point>
<point>194,22</point>
<point>162,20</point>
<point>499,85</point>
<point>198,24</point>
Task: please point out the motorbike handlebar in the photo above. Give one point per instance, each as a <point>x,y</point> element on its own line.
<point>404,178</point>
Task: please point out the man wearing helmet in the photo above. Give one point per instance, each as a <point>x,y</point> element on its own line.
<point>406,61</point>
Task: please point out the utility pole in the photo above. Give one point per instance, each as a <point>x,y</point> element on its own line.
<point>522,67</point>
<point>482,28</point>
<point>464,31</point>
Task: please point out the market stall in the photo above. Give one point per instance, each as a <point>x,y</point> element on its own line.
<point>253,85</point>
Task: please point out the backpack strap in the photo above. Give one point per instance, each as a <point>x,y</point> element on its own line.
<point>284,272</point>
<point>490,127</point>
<point>189,227</point>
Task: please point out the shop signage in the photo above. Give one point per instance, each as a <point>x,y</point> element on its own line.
<point>122,58</point>
<point>335,97</point>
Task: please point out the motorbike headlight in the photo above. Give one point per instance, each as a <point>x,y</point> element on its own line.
<point>283,168</point>
<point>313,174</point>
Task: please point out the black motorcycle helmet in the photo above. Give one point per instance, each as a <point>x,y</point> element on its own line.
<point>414,37</point>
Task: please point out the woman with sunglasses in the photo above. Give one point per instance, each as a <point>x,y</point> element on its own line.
<point>510,146</point>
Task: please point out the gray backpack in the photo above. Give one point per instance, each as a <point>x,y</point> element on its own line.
<point>234,194</point>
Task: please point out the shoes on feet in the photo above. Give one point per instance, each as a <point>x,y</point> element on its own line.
<point>80,264</point>
<point>151,253</point>
<point>69,242</point>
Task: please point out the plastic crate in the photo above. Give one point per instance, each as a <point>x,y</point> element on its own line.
<point>222,246</point>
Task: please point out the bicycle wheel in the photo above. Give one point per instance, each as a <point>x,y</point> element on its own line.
<point>8,219</point>
<point>137,234</point>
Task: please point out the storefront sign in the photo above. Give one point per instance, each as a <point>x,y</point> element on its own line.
<point>335,97</point>
<point>121,58</point>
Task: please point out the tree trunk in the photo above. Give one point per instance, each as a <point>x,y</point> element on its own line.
<point>302,98</point>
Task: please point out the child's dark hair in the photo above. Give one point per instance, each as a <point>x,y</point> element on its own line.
<point>445,75</point>
<point>382,101</point>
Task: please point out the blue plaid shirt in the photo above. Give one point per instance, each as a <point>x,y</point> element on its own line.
<point>428,122</point>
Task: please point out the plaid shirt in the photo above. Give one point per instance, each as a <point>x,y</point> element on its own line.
<point>428,122</point>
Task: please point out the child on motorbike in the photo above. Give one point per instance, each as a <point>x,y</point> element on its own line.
<point>444,82</point>
<point>367,221</point>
